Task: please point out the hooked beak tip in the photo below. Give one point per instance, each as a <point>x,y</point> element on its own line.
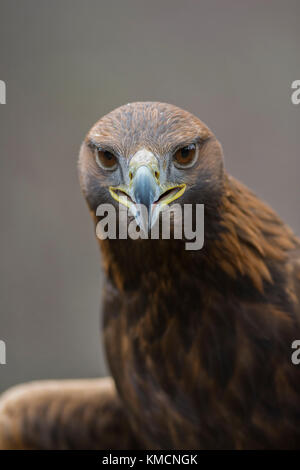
<point>145,189</point>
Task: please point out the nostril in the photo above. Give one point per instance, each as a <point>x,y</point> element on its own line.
<point>156,174</point>
<point>130,175</point>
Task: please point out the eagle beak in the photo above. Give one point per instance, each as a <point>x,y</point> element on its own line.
<point>146,195</point>
<point>145,190</point>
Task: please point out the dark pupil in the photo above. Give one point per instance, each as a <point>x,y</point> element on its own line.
<point>185,152</point>
<point>108,155</point>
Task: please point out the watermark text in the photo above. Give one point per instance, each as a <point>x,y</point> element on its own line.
<point>2,352</point>
<point>2,92</point>
<point>175,222</point>
<point>295,97</point>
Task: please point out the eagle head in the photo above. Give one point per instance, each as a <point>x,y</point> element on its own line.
<point>152,155</point>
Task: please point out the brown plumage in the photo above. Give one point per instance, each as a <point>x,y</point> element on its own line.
<point>198,342</point>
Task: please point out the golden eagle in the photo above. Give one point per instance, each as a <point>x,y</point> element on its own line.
<point>199,342</point>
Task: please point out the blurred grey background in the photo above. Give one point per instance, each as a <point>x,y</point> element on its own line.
<point>68,62</point>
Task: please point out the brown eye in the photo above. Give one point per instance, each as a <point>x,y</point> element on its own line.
<point>185,156</point>
<point>106,159</point>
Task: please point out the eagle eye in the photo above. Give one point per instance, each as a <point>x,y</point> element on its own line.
<point>185,156</point>
<point>106,159</point>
